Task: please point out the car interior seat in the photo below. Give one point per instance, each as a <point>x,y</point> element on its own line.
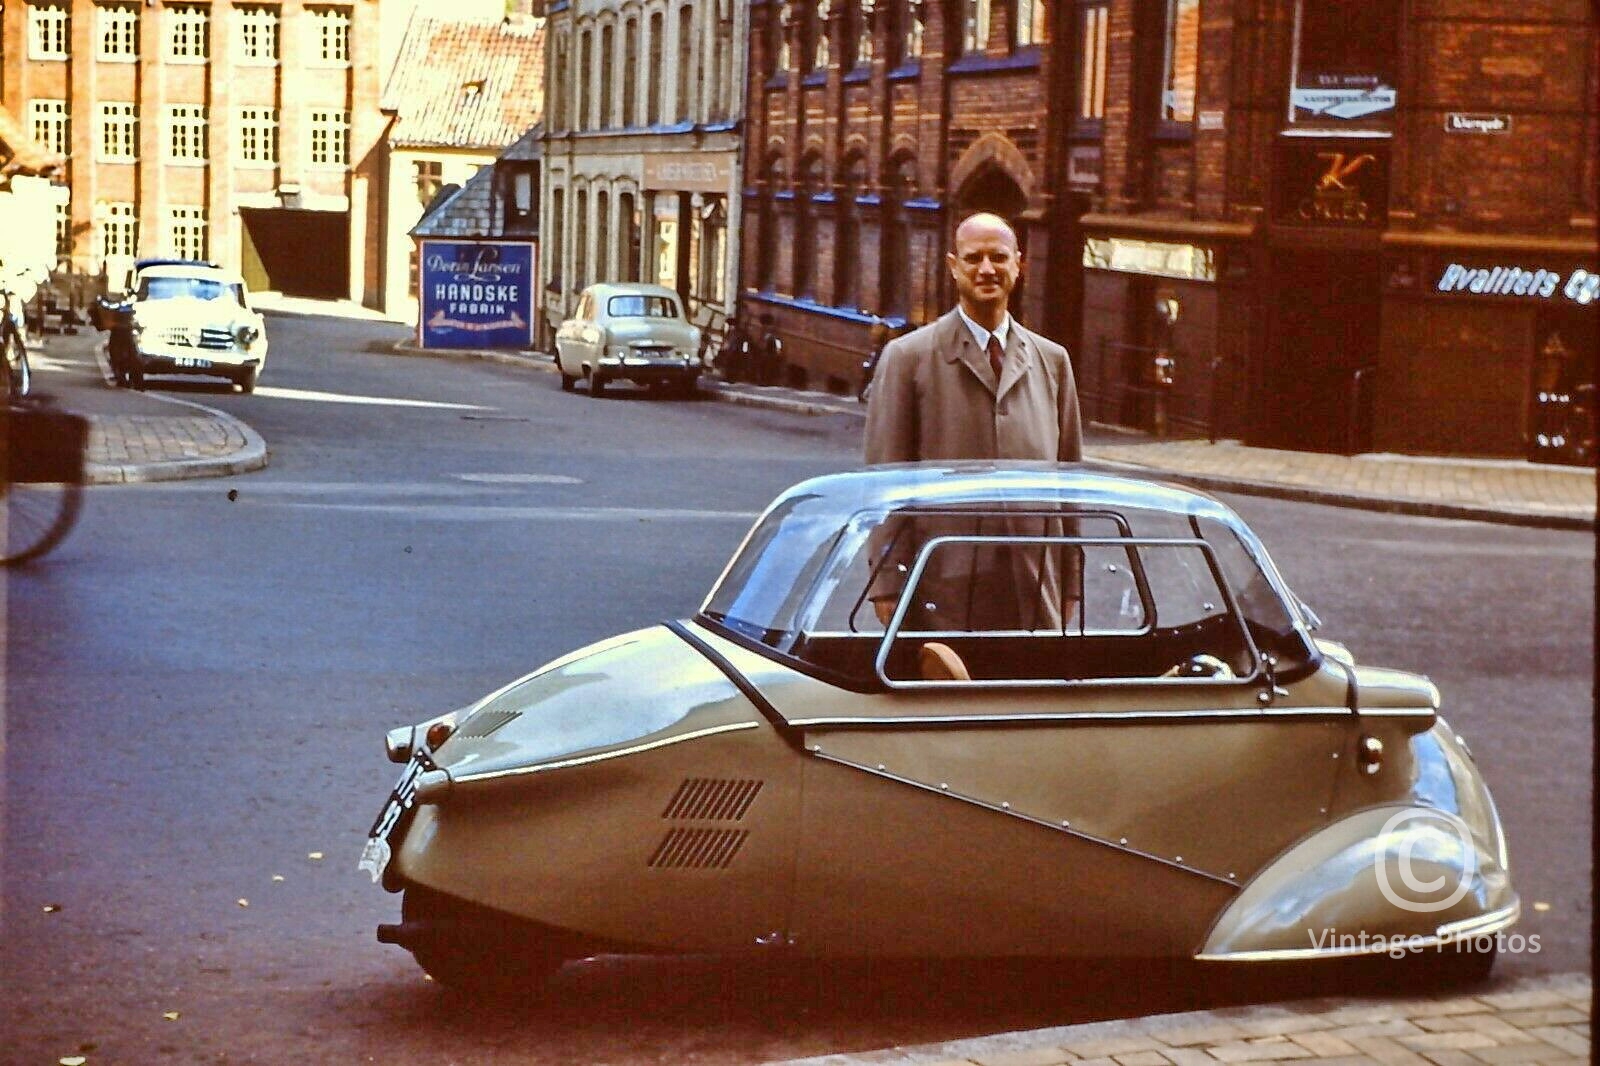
<point>939,662</point>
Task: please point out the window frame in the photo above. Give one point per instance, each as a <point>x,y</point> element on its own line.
<point>188,33</point>
<point>183,221</point>
<point>328,27</point>
<point>264,20</point>
<point>49,31</point>
<point>1086,11</point>
<point>188,125</point>
<point>113,114</point>
<point>1171,22</point>
<point>263,123</point>
<point>1378,122</point>
<point>119,223</point>
<point>331,124</point>
<point>50,123</point>
<point>116,24</point>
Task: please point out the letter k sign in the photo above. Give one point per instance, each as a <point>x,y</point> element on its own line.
<point>1338,169</point>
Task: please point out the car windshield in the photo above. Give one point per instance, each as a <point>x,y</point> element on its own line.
<point>641,306</point>
<point>167,288</point>
<point>1009,559</point>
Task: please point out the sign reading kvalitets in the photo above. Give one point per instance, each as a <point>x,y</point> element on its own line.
<point>476,294</point>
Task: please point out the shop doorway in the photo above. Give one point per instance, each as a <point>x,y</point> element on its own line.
<point>297,253</point>
<point>1323,346</point>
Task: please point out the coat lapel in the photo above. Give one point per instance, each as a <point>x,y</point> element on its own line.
<point>958,346</point>
<point>1019,356</point>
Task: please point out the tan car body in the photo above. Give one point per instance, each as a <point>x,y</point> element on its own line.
<point>682,789</point>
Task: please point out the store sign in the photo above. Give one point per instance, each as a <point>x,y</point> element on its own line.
<point>1582,286</point>
<point>1083,166</point>
<point>476,294</point>
<point>1186,261</point>
<point>1344,104</point>
<point>1461,122</point>
<point>1323,185</point>
<point>689,171</point>
<point>1211,120</point>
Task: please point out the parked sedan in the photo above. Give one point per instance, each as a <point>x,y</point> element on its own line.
<point>629,332</point>
<point>948,710</point>
<point>189,318</point>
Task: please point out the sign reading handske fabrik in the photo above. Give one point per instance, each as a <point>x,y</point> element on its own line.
<point>476,294</point>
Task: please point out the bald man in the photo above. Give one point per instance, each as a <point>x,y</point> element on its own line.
<point>977,385</point>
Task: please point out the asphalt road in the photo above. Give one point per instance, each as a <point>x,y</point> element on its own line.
<point>197,686</point>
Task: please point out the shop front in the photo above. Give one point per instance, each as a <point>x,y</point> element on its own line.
<point>1489,350</point>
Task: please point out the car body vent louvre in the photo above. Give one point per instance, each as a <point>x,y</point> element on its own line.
<point>485,722</point>
<point>712,799</point>
<point>698,849</point>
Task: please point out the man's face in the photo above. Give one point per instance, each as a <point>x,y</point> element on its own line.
<point>985,265</point>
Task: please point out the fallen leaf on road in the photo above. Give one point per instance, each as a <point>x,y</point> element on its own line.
<point>315,855</point>
<point>170,1015</point>
<point>277,877</point>
<point>244,903</point>
<point>72,1060</point>
<point>51,908</point>
<point>1541,906</point>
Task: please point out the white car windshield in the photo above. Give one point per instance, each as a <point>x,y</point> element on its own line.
<point>193,288</point>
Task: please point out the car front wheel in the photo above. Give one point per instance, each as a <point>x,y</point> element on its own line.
<point>597,385</point>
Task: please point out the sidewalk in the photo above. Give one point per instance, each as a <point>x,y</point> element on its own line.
<point>1534,1020</point>
<point>150,436</point>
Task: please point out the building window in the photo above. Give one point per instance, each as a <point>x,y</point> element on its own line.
<point>608,44</point>
<point>781,30</point>
<point>1093,20</point>
<point>805,240</point>
<point>974,25</point>
<point>258,35</point>
<point>49,31</point>
<point>556,97</point>
<point>188,140</point>
<point>188,33</point>
<point>330,138</point>
<point>847,234</point>
<point>429,177</point>
<point>821,42</point>
<point>119,133</point>
<point>558,228</point>
<point>1028,25</point>
<point>119,231</point>
<point>628,215</point>
<point>664,238</point>
<point>685,62</point>
<point>860,31</point>
<point>63,231</point>
<point>258,135</point>
<point>653,89</point>
<point>585,80</point>
<point>47,119</point>
<point>913,30</point>
<point>767,247</point>
<point>630,73</point>
<point>186,232</point>
<point>580,241</point>
<point>118,28</point>
<point>602,236</point>
<point>1181,64</point>
<point>330,34</point>
<point>895,280</point>
<point>1344,61</point>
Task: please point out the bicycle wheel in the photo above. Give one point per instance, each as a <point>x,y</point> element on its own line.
<point>35,517</point>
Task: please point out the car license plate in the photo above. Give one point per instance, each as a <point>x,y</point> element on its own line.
<point>390,827</point>
<point>192,362</point>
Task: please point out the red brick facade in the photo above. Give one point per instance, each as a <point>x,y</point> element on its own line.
<point>1309,188</point>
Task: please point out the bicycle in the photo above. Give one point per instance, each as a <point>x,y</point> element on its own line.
<point>16,377</point>
<point>41,479</point>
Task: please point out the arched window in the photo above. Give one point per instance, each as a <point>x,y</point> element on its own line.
<point>974,25</point>
<point>585,80</point>
<point>912,35</point>
<point>556,98</point>
<point>557,249</point>
<point>860,31</point>
<point>602,237</point>
<point>1028,23</point>
<point>580,241</point>
<point>630,73</point>
<point>847,233</point>
<point>628,216</point>
<point>768,237</point>
<point>782,59</point>
<point>685,63</point>
<point>657,44</point>
<point>821,53</point>
<point>898,186</point>
<point>805,240</point>
<point>608,63</point>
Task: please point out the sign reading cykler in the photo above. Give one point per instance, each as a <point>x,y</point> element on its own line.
<point>1582,286</point>
<point>476,294</point>
<point>1461,122</point>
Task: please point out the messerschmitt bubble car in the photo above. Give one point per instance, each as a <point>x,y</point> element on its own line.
<point>954,710</point>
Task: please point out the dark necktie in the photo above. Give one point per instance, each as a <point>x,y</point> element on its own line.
<point>997,356</point>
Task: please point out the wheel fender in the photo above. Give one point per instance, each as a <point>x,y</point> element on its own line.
<point>1353,887</point>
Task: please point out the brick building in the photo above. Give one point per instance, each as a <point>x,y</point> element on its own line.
<point>641,144</point>
<point>1305,223</point>
<point>239,132</point>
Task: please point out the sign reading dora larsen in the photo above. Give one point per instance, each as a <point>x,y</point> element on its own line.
<point>476,294</point>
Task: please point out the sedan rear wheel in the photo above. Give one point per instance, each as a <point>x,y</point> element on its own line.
<point>466,949</point>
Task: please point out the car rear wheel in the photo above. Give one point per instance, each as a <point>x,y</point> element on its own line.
<point>597,385</point>
<point>468,949</point>
<point>567,380</point>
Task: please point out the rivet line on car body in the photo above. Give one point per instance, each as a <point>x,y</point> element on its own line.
<point>1005,808</point>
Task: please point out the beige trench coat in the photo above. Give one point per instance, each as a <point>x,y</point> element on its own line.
<point>935,397</point>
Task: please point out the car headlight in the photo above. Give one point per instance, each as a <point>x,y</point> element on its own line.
<point>246,334</point>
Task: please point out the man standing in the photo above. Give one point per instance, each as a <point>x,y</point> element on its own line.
<point>975,384</point>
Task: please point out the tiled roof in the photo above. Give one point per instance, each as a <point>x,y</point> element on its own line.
<point>471,210</point>
<point>21,154</point>
<point>466,83</point>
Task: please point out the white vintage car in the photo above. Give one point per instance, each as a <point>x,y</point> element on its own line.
<point>190,318</point>
<point>630,332</point>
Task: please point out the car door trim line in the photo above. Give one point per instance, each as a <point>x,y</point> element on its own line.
<point>781,725</point>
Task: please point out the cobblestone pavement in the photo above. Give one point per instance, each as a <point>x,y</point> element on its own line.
<point>121,439</point>
<point>1537,1020</point>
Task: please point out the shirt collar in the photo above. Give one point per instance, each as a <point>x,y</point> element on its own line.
<point>981,335</point>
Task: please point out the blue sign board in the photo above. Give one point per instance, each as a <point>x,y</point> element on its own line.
<point>476,294</point>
